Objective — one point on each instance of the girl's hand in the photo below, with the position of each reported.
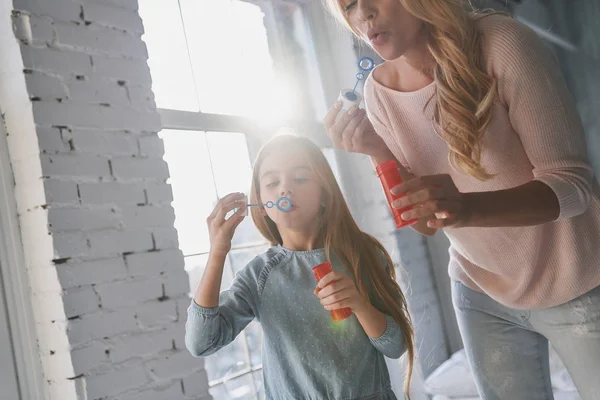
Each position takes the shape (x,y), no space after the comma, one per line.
(337,290)
(435,198)
(221,230)
(354,132)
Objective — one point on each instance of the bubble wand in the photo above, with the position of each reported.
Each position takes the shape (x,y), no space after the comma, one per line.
(283,204)
(349,97)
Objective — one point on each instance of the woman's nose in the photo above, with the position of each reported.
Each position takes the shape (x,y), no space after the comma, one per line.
(365,10)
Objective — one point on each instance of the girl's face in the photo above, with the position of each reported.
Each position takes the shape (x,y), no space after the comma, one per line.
(385,24)
(287,172)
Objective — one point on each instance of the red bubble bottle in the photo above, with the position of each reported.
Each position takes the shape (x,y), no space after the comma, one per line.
(389,175)
(320,271)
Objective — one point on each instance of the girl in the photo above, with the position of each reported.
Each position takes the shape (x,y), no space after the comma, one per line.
(304,356)
(475,107)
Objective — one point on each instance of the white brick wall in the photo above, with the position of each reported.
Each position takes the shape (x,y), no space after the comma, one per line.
(108,281)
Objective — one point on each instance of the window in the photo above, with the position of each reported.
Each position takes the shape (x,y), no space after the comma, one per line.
(226,74)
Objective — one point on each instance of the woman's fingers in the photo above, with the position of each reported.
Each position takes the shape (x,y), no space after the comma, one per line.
(420,197)
(430,209)
(332,114)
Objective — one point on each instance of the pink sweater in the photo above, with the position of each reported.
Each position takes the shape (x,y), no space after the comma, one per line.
(535,133)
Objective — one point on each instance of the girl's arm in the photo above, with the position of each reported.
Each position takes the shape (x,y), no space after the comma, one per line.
(212,327)
(214,318)
(336,290)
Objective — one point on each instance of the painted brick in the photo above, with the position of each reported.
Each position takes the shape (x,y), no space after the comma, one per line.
(42,29)
(127,4)
(45,86)
(129,293)
(97,90)
(196,385)
(141,345)
(69,219)
(107,15)
(73,274)
(86,358)
(74,165)
(101,324)
(60,10)
(96,38)
(159,192)
(61,192)
(140,168)
(177,283)
(80,301)
(102,142)
(165,238)
(155,313)
(61,62)
(69,244)
(111,193)
(94,116)
(111,242)
(152,263)
(151,146)
(116,382)
(147,216)
(173,391)
(141,96)
(122,69)
(51,140)
(175,365)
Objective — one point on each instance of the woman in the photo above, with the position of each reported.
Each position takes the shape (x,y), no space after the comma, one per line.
(492,151)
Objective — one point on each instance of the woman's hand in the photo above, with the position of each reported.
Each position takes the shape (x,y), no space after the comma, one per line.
(336,290)
(221,230)
(354,132)
(435,198)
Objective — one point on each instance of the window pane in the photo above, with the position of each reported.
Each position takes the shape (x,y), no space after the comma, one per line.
(233,173)
(258,382)
(241,388)
(230,161)
(169,62)
(241,257)
(194,195)
(195,265)
(329,154)
(227,361)
(255,337)
(231,60)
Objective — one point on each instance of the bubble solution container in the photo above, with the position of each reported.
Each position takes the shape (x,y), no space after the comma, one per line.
(389,175)
(320,271)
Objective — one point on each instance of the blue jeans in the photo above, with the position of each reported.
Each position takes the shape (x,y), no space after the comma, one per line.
(508,348)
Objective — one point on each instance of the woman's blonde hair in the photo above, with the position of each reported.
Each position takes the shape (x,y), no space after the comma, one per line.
(361,254)
(465,92)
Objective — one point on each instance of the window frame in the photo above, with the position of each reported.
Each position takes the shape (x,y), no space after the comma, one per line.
(258,132)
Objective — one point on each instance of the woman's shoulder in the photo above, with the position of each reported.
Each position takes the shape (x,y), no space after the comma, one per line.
(496,25)
(507,43)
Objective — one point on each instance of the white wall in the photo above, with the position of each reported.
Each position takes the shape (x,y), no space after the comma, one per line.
(108,285)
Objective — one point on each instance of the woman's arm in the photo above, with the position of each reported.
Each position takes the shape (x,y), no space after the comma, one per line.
(542,112)
(420,226)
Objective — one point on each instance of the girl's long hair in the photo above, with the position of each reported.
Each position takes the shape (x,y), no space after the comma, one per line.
(465,92)
(362,255)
